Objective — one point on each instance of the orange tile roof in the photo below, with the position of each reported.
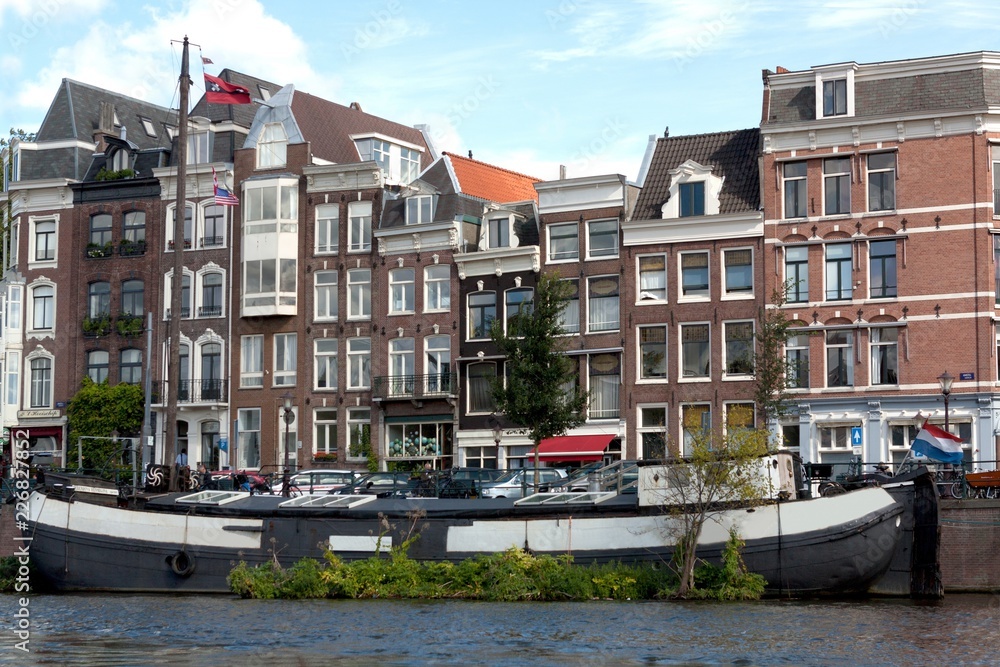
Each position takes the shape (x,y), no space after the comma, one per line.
(492,183)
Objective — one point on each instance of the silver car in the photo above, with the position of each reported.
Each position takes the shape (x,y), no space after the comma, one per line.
(517,483)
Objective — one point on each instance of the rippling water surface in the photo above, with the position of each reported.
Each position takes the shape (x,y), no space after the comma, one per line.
(109,630)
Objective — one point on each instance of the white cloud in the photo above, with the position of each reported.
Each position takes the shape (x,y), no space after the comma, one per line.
(32,16)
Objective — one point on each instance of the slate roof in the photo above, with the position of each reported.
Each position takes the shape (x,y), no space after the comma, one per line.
(492,183)
(733,155)
(240,114)
(75,114)
(328,127)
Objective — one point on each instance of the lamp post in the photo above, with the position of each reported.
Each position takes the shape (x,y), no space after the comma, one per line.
(497,434)
(286,401)
(945,380)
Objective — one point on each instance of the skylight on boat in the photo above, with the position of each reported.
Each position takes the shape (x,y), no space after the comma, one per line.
(328,500)
(213,497)
(571,498)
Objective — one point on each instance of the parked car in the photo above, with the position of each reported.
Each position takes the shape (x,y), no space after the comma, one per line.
(518,483)
(318,481)
(381,484)
(237,480)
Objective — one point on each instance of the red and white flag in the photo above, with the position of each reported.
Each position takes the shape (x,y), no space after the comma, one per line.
(218,91)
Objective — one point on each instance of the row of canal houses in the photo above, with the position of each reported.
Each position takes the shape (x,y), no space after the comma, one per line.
(355,283)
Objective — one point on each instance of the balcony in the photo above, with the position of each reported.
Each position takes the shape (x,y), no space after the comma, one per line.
(96,327)
(209,311)
(98,251)
(415,387)
(195,391)
(211,242)
(185,312)
(129,326)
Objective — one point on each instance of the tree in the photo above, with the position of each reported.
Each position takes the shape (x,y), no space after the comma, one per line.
(721,471)
(533,391)
(770,366)
(99,410)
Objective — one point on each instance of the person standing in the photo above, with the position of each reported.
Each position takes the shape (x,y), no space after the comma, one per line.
(182,458)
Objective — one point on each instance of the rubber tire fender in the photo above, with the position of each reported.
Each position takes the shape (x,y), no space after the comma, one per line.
(182,563)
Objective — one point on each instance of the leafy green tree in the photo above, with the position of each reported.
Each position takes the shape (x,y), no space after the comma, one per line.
(772,371)
(99,410)
(534,392)
(719,471)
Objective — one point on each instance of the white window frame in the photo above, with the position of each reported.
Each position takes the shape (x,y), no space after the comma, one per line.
(572,302)
(249,438)
(252,361)
(419,209)
(567,255)
(695,295)
(726,374)
(730,405)
(359,228)
(657,429)
(735,295)
(272,146)
(402,366)
(591,310)
(504,226)
(437,289)
(359,294)
(359,354)
(328,227)
(610,413)
(325,423)
(47,325)
(687,438)
(651,298)
(801,285)
(786,181)
(479,410)
(639,370)
(849,358)
(326,301)
(893,170)
(51,239)
(355,419)
(836,177)
(797,343)
(325,352)
(608,253)
(402,290)
(875,332)
(707,377)
(40,386)
(285,359)
(468,313)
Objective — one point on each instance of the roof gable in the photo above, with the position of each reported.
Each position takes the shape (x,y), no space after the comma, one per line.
(491,183)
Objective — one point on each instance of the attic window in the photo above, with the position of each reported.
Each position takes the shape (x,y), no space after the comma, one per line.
(835,90)
(499,230)
(692,199)
(119,159)
(147,125)
(171,131)
(117,122)
(265,94)
(418,209)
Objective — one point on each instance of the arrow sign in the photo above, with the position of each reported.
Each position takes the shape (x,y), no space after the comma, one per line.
(855,436)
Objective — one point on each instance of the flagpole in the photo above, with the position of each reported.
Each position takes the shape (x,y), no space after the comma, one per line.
(176,283)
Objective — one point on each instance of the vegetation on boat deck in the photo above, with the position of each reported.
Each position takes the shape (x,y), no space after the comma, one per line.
(512,575)
(99,409)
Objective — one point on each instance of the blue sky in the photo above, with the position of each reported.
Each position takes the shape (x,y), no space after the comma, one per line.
(524,84)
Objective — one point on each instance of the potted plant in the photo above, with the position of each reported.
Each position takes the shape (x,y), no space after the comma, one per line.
(129,325)
(325,457)
(97,326)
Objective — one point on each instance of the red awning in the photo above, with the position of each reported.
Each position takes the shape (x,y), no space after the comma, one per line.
(38,431)
(574,447)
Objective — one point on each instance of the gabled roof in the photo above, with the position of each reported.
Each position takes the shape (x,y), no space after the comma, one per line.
(732,155)
(240,114)
(328,127)
(490,183)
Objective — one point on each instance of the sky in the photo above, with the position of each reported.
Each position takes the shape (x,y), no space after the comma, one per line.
(527,85)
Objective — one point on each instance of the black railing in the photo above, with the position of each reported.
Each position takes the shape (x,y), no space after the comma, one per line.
(403,387)
(185,313)
(195,391)
(211,242)
(132,248)
(209,311)
(97,251)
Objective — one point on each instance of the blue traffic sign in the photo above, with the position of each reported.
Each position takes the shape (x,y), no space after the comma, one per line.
(855,436)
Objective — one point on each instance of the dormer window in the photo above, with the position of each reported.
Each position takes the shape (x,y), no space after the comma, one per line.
(692,199)
(419,209)
(499,231)
(265,94)
(148,127)
(400,163)
(835,90)
(120,160)
(835,98)
(272,146)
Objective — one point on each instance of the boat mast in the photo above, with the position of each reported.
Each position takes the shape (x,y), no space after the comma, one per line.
(176,283)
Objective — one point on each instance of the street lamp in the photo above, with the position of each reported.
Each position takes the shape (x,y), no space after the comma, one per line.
(286,401)
(497,433)
(945,380)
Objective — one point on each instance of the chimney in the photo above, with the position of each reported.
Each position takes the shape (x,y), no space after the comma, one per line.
(562,172)
(356,106)
(470,155)
(122,132)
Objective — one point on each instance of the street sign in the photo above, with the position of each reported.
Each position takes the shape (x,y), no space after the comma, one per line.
(856,439)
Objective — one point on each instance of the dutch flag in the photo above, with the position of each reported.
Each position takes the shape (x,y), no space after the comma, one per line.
(937,444)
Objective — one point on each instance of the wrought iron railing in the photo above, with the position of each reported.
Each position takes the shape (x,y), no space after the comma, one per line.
(194,391)
(403,387)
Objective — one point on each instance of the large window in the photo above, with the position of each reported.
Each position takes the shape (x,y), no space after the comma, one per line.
(694,274)
(41,382)
(359,358)
(653,352)
(797,360)
(211,372)
(652,431)
(359,294)
(409,164)
(264,204)
(42,307)
(797,273)
(326,295)
(739,348)
(602,304)
(838,272)
(499,232)
(517,301)
(418,209)
(839,358)
(885,359)
(401,295)
(252,361)
(695,351)
(401,366)
(130,366)
(327,229)
(882,257)
(438,364)
(564,242)
(359,230)
(738,266)
(99,299)
(605,381)
(326,363)
(97,365)
(211,295)
(437,286)
(215,227)
(285,359)
(272,146)
(132,298)
(652,278)
(835,97)
(569,316)
(602,238)
(480,393)
(834,443)
(796,194)
(325,423)
(881,182)
(359,430)
(45,240)
(134,227)
(696,422)
(482,312)
(837,185)
(692,199)
(249,434)
(100,230)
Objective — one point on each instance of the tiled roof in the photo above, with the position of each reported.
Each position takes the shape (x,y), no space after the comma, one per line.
(492,183)
(733,156)
(328,127)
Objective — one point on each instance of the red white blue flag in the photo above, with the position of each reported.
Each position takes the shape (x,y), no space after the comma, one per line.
(223,197)
(218,91)
(937,444)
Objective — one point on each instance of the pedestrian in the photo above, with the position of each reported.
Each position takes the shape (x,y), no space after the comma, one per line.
(182,458)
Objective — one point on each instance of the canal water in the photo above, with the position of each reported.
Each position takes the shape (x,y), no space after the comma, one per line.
(110,630)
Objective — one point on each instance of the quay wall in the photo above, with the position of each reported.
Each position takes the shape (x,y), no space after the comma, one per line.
(970,546)
(8,531)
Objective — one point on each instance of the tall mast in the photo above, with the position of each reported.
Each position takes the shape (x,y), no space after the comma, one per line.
(174,323)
